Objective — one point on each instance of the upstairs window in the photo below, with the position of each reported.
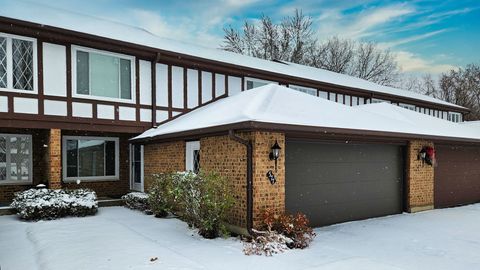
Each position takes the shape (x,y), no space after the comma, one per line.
(254,83)
(17,63)
(15,159)
(306,90)
(407,106)
(455,117)
(102,74)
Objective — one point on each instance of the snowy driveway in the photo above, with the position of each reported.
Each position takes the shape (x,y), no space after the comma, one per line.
(118,238)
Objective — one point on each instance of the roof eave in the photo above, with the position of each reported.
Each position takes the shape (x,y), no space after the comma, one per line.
(295,130)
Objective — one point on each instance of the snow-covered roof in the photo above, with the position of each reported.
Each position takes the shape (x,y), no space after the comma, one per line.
(45,15)
(276,104)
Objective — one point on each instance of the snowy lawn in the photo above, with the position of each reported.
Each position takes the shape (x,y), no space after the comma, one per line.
(119,238)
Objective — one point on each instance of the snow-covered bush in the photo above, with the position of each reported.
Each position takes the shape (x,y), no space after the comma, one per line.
(202,200)
(266,243)
(295,227)
(137,201)
(36,204)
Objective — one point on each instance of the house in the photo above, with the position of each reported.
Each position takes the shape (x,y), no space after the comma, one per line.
(75,89)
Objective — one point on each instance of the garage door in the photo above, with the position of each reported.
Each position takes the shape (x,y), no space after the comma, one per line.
(457,175)
(333,183)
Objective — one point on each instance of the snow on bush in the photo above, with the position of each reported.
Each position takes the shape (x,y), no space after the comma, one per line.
(37,204)
(267,243)
(137,201)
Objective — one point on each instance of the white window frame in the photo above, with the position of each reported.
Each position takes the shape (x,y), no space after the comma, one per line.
(115,177)
(323,94)
(142,178)
(9,87)
(407,106)
(76,48)
(190,147)
(30,170)
(307,90)
(247,79)
(455,117)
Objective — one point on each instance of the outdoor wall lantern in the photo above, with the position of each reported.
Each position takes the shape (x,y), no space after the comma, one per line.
(427,155)
(275,153)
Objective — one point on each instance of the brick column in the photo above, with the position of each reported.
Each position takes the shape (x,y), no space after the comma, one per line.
(267,196)
(420,179)
(54,162)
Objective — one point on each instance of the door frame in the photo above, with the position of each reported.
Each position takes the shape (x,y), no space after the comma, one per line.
(136,186)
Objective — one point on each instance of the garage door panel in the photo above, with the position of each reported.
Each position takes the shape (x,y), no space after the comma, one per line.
(324,214)
(333,183)
(343,172)
(344,192)
(457,175)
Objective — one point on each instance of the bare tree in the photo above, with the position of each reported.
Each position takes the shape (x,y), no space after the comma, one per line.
(462,87)
(293,40)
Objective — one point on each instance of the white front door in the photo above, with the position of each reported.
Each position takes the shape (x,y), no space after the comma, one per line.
(136,167)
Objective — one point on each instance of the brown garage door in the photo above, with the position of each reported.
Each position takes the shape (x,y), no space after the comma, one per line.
(457,175)
(333,183)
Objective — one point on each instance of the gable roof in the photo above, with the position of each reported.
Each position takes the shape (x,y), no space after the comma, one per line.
(277,105)
(45,15)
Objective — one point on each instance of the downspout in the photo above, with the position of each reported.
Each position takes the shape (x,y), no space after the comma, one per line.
(248,144)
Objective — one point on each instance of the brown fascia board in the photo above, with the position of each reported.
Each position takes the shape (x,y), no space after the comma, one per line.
(304,132)
(61,35)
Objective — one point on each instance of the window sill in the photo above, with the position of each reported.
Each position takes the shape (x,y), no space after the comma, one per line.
(18,183)
(11,90)
(117,100)
(91,180)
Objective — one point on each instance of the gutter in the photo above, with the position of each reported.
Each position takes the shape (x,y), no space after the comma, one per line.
(248,144)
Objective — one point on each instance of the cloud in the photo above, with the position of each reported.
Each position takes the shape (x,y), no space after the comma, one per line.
(413,63)
(334,22)
(413,38)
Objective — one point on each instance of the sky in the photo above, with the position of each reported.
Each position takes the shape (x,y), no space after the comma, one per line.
(426,36)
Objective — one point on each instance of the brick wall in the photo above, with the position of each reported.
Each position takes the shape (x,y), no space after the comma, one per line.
(420,179)
(266,195)
(229,158)
(162,158)
(54,159)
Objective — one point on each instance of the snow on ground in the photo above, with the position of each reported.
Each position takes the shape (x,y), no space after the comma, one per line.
(119,238)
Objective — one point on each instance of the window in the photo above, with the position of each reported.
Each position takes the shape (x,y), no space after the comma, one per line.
(323,94)
(332,96)
(15,159)
(18,59)
(306,90)
(340,98)
(455,117)
(355,101)
(377,100)
(192,156)
(254,83)
(90,158)
(101,74)
(407,106)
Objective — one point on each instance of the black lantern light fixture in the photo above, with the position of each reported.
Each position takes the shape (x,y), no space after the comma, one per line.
(275,153)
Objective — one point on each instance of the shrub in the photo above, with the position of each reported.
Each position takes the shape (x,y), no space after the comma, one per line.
(266,243)
(137,201)
(295,227)
(202,200)
(36,204)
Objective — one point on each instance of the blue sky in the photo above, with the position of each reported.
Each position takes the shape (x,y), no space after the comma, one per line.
(426,36)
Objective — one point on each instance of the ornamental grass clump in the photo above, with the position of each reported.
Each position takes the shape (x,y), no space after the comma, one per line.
(202,200)
(45,204)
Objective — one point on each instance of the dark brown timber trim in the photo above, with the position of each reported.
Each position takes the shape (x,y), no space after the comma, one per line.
(40,77)
(137,90)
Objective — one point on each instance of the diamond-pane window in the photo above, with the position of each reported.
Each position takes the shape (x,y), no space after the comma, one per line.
(22,52)
(15,158)
(3,63)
